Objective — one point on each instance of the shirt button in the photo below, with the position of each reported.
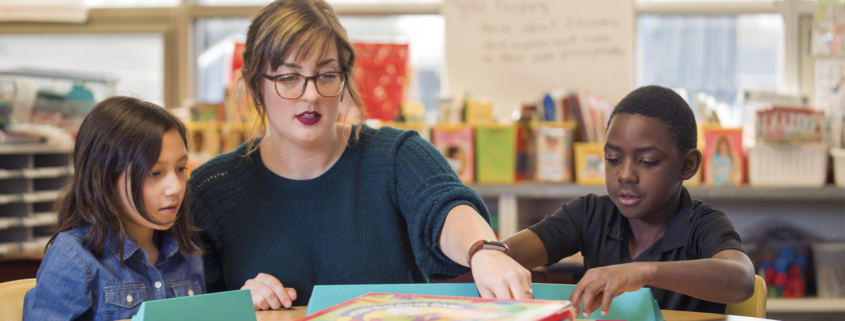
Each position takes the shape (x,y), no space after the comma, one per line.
(129,298)
(190,292)
(158,285)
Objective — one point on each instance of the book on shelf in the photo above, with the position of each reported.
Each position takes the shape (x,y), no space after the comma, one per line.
(410,307)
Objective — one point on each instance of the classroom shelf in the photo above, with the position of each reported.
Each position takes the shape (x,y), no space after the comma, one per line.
(34,149)
(743,193)
(509,197)
(35,173)
(805,305)
(31,177)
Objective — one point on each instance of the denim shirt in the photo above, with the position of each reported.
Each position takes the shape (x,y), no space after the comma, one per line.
(74,284)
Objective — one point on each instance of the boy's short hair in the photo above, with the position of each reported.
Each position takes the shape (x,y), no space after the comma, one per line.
(666,105)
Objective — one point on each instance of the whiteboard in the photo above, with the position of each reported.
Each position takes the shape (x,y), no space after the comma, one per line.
(514,51)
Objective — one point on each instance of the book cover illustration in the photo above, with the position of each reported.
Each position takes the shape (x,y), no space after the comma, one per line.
(554,152)
(457,144)
(405,307)
(723,157)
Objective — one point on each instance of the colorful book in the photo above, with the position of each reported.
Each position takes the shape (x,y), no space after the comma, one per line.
(723,157)
(457,144)
(554,151)
(408,307)
(495,148)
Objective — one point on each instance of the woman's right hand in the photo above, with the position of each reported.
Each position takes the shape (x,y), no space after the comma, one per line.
(268,293)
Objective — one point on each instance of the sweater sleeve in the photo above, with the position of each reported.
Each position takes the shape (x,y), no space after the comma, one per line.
(426,189)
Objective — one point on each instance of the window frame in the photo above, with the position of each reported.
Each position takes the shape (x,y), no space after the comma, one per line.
(176,24)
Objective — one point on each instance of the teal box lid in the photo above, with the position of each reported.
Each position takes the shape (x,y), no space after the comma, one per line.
(221,306)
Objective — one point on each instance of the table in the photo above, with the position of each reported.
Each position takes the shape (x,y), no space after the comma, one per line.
(296,312)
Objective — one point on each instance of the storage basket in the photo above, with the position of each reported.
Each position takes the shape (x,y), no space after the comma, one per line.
(838,165)
(796,166)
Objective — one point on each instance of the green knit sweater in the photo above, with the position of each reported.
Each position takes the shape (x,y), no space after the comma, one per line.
(372,218)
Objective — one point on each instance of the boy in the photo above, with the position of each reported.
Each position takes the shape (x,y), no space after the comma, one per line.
(687,252)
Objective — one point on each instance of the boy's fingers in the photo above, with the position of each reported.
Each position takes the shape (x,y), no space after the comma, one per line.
(589,297)
(575,297)
(605,302)
(291,293)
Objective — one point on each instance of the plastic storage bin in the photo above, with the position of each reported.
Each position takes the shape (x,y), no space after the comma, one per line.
(798,166)
(838,165)
(830,269)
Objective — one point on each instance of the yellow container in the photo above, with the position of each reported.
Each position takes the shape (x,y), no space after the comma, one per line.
(589,163)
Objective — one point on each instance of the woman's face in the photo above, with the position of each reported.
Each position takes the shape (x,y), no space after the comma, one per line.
(310,118)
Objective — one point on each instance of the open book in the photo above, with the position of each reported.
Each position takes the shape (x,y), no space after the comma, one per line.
(400,307)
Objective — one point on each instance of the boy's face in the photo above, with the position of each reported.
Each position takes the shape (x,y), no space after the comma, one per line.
(643,170)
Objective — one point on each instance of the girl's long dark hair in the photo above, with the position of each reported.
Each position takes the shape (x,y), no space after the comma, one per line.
(119,134)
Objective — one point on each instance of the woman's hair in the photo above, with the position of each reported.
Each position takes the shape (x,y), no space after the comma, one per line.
(120,135)
(303,26)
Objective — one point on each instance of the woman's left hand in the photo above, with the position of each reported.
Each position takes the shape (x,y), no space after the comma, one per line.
(497,275)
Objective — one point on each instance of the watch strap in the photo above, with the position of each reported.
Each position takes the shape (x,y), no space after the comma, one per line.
(486,245)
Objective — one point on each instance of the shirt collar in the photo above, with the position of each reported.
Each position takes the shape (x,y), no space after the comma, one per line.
(676,232)
(169,245)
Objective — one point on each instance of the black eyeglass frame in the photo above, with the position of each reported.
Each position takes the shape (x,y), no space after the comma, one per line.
(305,84)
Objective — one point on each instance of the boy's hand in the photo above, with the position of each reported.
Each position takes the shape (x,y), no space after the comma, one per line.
(499,276)
(599,286)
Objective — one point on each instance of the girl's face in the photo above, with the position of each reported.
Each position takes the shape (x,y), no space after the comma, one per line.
(311,117)
(164,186)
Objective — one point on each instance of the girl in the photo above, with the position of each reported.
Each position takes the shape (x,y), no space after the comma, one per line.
(123,234)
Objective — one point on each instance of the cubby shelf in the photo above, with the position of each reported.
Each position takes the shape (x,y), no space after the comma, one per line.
(31,176)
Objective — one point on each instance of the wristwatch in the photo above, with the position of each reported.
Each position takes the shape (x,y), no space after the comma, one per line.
(486,245)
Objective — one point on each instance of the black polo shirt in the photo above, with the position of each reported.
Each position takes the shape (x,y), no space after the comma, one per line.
(594,226)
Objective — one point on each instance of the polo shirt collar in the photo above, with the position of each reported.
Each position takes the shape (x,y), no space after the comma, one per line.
(676,232)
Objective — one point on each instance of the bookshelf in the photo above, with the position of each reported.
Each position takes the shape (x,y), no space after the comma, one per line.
(511,200)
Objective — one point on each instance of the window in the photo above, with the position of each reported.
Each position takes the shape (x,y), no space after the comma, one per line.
(713,54)
(137,60)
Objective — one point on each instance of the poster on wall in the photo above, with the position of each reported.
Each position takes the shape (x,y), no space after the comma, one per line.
(511,51)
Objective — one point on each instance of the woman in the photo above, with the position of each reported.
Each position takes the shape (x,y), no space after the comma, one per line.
(317,202)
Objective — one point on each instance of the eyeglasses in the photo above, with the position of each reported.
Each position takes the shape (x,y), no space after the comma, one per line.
(292,86)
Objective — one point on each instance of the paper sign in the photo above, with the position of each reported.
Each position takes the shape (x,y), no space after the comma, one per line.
(514,51)
(638,305)
(221,306)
